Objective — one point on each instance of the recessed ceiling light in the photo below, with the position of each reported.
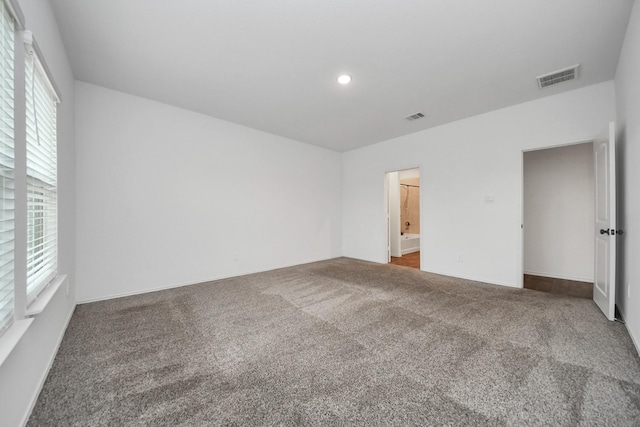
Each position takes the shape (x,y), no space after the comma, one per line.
(344,79)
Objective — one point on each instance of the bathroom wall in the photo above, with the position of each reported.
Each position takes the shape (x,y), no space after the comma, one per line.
(410,208)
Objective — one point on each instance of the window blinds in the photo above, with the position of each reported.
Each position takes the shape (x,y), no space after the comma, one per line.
(42,222)
(6,168)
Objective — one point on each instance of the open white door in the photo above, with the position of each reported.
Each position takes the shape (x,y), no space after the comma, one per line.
(388,238)
(604,286)
(388,215)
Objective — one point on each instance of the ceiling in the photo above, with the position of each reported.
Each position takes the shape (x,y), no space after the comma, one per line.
(272,65)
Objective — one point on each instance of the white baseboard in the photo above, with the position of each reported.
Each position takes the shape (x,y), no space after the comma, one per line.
(410,250)
(36,394)
(196,282)
(636,342)
(633,338)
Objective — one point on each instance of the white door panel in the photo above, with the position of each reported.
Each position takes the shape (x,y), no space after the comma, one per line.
(604,289)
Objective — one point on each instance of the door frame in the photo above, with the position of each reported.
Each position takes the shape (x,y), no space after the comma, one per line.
(520,267)
(386,210)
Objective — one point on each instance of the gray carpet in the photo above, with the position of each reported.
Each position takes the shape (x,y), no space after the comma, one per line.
(342,342)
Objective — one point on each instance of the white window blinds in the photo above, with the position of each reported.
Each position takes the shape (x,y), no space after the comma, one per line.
(42,186)
(6,169)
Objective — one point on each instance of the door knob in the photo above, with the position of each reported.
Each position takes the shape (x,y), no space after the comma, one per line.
(611,232)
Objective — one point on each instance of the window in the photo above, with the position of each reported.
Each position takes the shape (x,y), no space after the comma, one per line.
(42,193)
(32,201)
(7,173)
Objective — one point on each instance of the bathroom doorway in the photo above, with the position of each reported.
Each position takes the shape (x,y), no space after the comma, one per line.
(404,217)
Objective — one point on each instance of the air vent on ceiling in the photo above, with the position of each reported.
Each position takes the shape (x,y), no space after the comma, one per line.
(569,73)
(415,116)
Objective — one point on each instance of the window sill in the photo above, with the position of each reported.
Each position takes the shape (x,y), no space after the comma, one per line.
(10,338)
(38,305)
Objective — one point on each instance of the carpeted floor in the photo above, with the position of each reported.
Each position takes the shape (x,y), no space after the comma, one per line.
(342,342)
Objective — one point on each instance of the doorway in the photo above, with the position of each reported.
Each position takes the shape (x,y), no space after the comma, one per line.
(404,217)
(558,218)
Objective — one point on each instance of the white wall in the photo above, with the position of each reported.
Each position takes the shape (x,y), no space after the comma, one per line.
(167,197)
(463,162)
(627,85)
(559,212)
(24,372)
